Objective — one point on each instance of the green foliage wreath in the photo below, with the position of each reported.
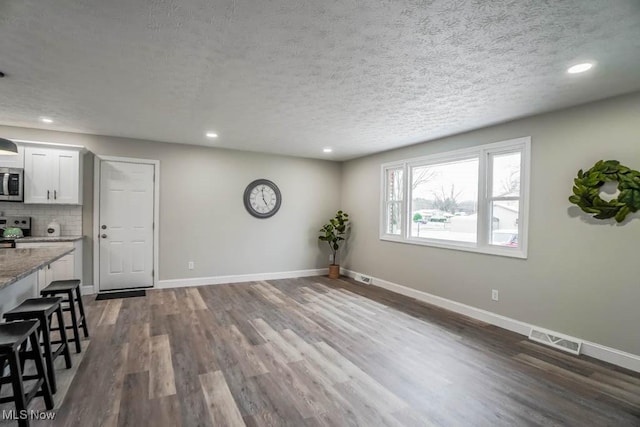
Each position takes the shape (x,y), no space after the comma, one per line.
(586,190)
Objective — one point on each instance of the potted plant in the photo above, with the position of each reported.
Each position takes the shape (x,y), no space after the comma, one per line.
(333,233)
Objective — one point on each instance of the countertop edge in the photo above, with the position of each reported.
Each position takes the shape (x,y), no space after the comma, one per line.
(32,270)
(47,239)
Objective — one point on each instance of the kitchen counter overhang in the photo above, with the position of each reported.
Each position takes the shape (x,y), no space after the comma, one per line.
(48,239)
(16,264)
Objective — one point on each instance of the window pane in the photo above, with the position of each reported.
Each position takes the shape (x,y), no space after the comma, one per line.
(444,201)
(394,184)
(506,175)
(394,224)
(504,223)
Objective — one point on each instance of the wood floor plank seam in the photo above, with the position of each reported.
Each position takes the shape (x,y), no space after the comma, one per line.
(161,374)
(319,352)
(222,407)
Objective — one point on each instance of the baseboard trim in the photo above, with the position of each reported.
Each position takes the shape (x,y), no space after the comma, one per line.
(595,350)
(87,290)
(218,280)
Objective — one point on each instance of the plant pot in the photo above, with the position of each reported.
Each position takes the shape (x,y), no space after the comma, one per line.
(334,271)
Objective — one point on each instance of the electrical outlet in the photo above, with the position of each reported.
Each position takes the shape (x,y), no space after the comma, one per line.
(494,295)
(191,265)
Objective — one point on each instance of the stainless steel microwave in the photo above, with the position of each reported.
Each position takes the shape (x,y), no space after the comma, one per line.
(11,185)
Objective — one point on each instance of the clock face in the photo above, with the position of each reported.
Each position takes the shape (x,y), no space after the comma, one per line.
(262,198)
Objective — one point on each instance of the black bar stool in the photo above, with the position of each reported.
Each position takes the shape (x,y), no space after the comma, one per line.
(15,336)
(43,309)
(66,289)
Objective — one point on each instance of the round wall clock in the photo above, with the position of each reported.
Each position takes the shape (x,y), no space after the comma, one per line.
(262,198)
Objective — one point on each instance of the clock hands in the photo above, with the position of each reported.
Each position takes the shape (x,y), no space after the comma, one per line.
(268,192)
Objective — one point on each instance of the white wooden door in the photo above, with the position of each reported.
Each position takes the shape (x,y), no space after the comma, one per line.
(65,177)
(38,167)
(126,225)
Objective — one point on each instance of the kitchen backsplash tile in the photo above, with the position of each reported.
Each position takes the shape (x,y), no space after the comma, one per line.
(69,217)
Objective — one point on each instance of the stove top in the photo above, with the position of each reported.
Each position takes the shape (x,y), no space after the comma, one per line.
(21,222)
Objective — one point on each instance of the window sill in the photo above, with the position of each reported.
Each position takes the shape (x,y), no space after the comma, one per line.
(466,247)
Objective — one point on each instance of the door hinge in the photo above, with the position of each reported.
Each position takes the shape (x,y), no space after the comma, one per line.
(153,273)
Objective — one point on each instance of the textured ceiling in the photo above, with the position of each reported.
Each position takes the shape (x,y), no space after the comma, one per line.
(294,76)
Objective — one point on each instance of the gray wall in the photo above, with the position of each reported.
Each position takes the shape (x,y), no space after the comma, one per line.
(582,276)
(202,216)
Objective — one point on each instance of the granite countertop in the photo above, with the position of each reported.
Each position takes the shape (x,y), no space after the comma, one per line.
(16,264)
(41,239)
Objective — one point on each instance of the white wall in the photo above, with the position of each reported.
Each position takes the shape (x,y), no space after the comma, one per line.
(202,216)
(582,276)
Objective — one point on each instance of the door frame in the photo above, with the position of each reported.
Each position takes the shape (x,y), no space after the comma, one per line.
(98,159)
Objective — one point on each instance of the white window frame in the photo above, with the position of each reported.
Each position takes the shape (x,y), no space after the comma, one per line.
(485,198)
(386,202)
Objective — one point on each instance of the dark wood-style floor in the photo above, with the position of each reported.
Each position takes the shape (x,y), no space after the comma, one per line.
(311,352)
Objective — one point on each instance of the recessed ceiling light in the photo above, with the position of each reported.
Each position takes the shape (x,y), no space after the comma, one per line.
(46,120)
(327,150)
(211,135)
(580,68)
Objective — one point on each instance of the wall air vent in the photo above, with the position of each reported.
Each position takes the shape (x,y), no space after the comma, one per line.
(553,339)
(363,279)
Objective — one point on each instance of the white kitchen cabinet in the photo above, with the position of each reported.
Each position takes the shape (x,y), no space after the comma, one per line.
(62,269)
(13,161)
(52,176)
(38,176)
(66,268)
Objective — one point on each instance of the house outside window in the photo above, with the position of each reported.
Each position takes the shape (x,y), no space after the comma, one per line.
(474,199)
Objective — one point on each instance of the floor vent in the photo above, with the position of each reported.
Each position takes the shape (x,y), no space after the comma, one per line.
(553,339)
(363,279)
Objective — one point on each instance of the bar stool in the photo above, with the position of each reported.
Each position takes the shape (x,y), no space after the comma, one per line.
(66,289)
(43,309)
(13,337)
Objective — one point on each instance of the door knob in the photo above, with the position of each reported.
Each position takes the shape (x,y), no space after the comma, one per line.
(104,227)
(104,236)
